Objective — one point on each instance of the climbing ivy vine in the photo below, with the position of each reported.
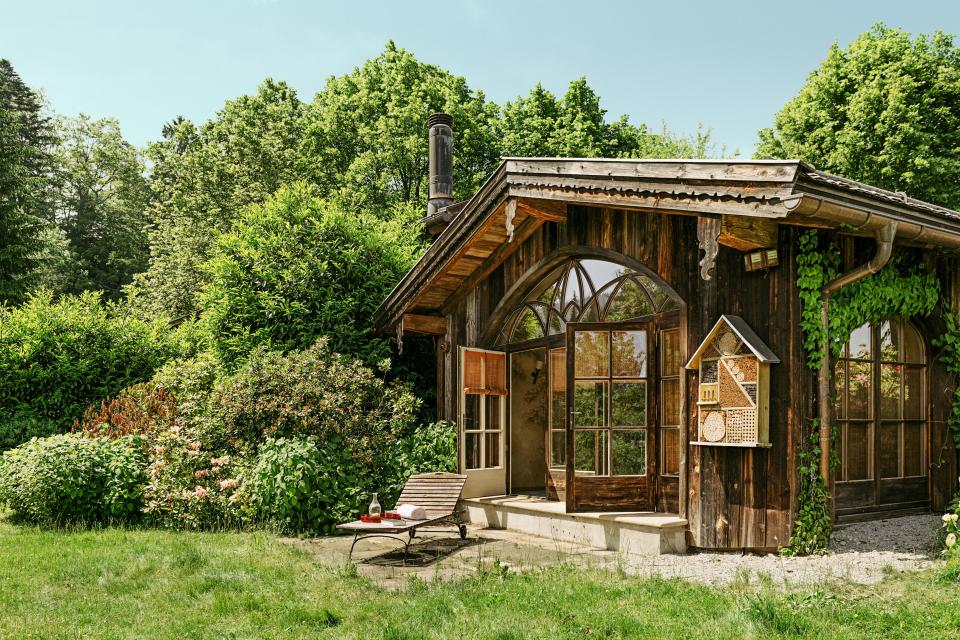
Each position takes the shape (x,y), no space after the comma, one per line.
(896,290)
(949,345)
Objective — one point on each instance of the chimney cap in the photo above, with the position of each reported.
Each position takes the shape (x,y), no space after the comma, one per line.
(440,118)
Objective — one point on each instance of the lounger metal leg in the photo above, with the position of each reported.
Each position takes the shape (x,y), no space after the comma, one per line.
(356,537)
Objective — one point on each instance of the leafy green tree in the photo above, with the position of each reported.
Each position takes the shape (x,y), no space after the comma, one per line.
(367,132)
(885,110)
(576,126)
(296,268)
(25,139)
(202,177)
(58,357)
(101,204)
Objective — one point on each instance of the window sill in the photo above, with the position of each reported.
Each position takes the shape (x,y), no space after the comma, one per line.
(742,445)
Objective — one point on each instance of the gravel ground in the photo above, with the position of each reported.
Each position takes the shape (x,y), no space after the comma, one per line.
(864,553)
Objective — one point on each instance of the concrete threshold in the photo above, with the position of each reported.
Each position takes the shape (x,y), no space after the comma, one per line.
(633,532)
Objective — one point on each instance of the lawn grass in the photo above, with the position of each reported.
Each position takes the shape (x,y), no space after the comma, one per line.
(117,583)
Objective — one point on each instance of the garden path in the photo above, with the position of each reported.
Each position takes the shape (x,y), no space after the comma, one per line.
(863,553)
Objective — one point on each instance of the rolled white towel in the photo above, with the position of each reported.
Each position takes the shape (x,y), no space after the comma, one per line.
(411,512)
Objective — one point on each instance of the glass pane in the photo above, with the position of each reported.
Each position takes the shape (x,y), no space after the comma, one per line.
(630,452)
(629,404)
(840,378)
(493,449)
(630,354)
(913,350)
(602,272)
(914,435)
(857,451)
(670,352)
(494,418)
(658,295)
(670,439)
(859,346)
(889,341)
(670,403)
(528,327)
(471,411)
(890,391)
(556,324)
(592,353)
(472,451)
(858,400)
(590,404)
(629,302)
(546,297)
(913,407)
(558,388)
(889,450)
(558,448)
(590,451)
(572,291)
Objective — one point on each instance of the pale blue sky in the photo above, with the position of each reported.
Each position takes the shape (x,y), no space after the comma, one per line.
(729,65)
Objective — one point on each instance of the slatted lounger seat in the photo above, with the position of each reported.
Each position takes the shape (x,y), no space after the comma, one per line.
(437,493)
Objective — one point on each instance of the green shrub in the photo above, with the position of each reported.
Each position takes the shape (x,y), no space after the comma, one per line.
(432,448)
(295,268)
(71,478)
(58,358)
(306,485)
(313,392)
(22,427)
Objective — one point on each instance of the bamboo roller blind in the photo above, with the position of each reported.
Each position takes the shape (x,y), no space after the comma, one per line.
(484,373)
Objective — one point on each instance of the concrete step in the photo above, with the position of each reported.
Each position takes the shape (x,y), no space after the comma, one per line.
(637,533)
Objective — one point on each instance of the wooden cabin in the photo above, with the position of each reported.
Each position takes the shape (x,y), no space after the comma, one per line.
(604,327)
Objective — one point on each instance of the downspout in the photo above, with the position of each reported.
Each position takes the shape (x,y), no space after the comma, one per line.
(884,236)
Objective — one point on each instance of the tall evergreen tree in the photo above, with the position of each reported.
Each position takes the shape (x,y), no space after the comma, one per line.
(25,161)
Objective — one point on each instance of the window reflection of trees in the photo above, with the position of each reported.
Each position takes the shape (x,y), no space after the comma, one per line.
(584,290)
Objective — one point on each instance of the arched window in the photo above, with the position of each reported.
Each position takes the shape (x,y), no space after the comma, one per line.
(585,290)
(881,410)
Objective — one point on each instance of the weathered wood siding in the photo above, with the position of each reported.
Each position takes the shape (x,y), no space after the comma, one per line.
(735,498)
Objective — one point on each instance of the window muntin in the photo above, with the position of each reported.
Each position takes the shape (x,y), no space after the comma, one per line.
(670,369)
(482,407)
(880,403)
(610,402)
(585,290)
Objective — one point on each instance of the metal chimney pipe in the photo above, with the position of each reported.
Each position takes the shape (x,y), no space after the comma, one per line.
(441,162)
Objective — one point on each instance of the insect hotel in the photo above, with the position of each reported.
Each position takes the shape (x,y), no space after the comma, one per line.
(619,344)
(733,386)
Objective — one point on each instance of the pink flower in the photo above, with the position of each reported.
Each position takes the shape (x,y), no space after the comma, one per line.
(202,473)
(159,449)
(228,485)
(215,471)
(200,492)
(192,452)
(194,446)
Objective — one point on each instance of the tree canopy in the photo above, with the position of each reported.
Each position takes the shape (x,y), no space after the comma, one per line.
(25,163)
(885,110)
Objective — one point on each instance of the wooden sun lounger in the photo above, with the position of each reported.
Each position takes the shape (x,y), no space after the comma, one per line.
(437,493)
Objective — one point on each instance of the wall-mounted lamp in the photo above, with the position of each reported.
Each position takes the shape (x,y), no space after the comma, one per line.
(761,260)
(537,370)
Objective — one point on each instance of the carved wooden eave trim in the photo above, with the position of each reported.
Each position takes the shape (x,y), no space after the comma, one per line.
(746,198)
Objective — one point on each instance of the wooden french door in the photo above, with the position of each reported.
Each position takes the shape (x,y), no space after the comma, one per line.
(611,413)
(481,422)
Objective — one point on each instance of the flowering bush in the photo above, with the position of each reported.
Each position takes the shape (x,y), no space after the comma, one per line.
(951,541)
(189,486)
(70,478)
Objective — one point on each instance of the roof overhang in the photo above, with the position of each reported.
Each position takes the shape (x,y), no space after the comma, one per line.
(525,193)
